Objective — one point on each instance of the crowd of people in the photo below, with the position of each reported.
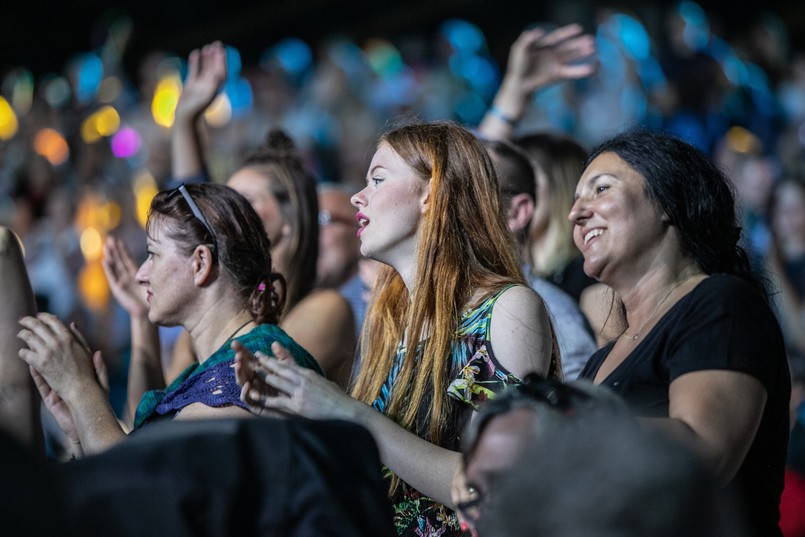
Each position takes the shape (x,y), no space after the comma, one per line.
(528,332)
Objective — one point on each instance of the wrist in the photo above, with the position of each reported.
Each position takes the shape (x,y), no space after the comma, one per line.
(503,116)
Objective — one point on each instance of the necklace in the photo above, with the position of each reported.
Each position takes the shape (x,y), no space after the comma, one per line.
(238,329)
(656,309)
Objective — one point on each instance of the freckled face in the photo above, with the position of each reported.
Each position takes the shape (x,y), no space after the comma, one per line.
(390,208)
(168,278)
(616,225)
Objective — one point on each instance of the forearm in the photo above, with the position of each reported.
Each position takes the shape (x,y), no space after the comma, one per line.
(186,146)
(19,402)
(508,107)
(426,467)
(145,366)
(95,421)
(722,464)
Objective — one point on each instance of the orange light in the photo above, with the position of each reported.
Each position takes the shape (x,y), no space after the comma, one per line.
(51,145)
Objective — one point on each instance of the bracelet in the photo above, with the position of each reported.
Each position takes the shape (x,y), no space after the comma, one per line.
(498,113)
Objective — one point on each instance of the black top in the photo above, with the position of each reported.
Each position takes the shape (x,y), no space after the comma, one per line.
(723,323)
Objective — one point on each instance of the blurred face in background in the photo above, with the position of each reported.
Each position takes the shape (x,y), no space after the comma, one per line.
(339,246)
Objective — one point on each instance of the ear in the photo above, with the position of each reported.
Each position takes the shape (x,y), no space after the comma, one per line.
(519,212)
(203,264)
(424,198)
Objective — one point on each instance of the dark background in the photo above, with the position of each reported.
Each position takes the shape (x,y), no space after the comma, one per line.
(43,35)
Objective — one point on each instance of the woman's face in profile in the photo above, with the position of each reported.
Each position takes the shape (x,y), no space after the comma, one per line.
(167,276)
(616,225)
(390,208)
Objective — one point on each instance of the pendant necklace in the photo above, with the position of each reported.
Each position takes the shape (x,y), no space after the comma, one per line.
(653,313)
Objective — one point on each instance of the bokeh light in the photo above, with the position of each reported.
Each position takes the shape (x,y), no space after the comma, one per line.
(19,86)
(126,143)
(51,145)
(219,112)
(102,123)
(93,286)
(110,90)
(57,92)
(163,107)
(8,120)
(145,188)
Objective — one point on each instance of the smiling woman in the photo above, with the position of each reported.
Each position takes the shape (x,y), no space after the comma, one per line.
(208,271)
(702,357)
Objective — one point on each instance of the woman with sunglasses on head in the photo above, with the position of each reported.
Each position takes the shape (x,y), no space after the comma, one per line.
(208,271)
(274,180)
(451,321)
(702,356)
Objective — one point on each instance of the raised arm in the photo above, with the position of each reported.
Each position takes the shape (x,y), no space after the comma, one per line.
(145,365)
(537,59)
(206,73)
(19,402)
(281,385)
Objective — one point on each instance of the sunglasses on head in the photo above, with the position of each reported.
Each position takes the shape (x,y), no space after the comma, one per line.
(181,189)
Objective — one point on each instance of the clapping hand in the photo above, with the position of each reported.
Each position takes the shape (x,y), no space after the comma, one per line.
(121,272)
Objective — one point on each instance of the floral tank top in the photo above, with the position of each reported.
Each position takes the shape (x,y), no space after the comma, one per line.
(476,376)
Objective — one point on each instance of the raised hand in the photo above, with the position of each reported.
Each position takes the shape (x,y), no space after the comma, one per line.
(539,57)
(121,273)
(206,73)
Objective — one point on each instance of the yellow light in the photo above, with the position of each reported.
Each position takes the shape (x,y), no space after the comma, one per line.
(166,95)
(103,122)
(51,145)
(145,188)
(8,121)
(89,130)
(91,244)
(742,140)
(93,286)
(110,215)
(107,121)
(219,112)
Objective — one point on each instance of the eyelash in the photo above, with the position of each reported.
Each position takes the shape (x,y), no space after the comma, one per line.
(376,180)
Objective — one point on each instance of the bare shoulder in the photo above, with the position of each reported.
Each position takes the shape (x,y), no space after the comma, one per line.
(520,331)
(200,411)
(520,300)
(322,302)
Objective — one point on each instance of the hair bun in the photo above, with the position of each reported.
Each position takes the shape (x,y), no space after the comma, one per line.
(277,147)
